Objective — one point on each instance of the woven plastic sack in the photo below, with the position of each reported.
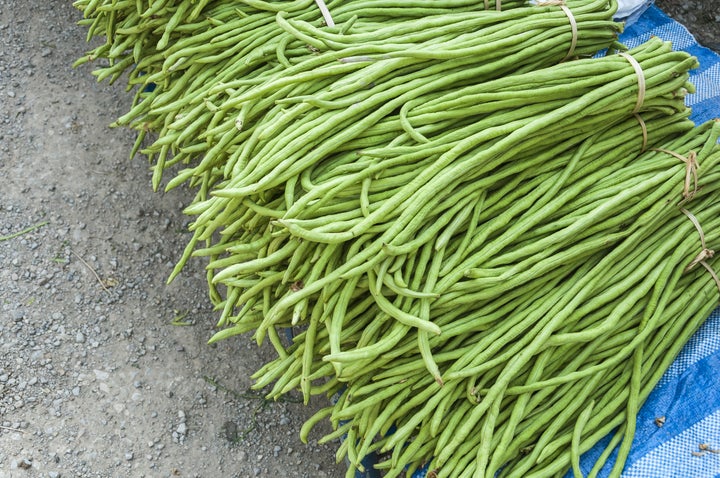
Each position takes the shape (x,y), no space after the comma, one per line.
(630,10)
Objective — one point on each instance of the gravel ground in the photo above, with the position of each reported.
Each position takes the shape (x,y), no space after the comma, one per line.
(95,380)
(701,17)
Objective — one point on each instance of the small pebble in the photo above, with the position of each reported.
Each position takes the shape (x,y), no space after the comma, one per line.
(230,430)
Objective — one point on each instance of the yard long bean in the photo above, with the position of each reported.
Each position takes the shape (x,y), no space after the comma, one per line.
(471,225)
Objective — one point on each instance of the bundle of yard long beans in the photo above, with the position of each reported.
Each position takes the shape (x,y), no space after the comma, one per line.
(490,257)
(187,47)
(392,373)
(199,69)
(522,360)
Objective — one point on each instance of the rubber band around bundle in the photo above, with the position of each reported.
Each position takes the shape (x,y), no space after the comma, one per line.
(573,23)
(691,167)
(498,5)
(705,253)
(574,28)
(325,13)
(643,126)
(641,80)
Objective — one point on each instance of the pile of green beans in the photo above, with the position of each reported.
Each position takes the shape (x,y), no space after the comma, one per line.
(619,145)
(198,80)
(385,210)
(463,215)
(517,377)
(350,321)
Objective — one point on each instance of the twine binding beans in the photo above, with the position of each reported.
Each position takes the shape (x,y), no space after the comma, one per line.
(691,167)
(574,27)
(573,23)
(705,253)
(643,126)
(640,79)
(325,13)
(641,96)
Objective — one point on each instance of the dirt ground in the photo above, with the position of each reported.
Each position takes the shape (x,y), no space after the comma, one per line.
(701,17)
(95,381)
(104,369)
